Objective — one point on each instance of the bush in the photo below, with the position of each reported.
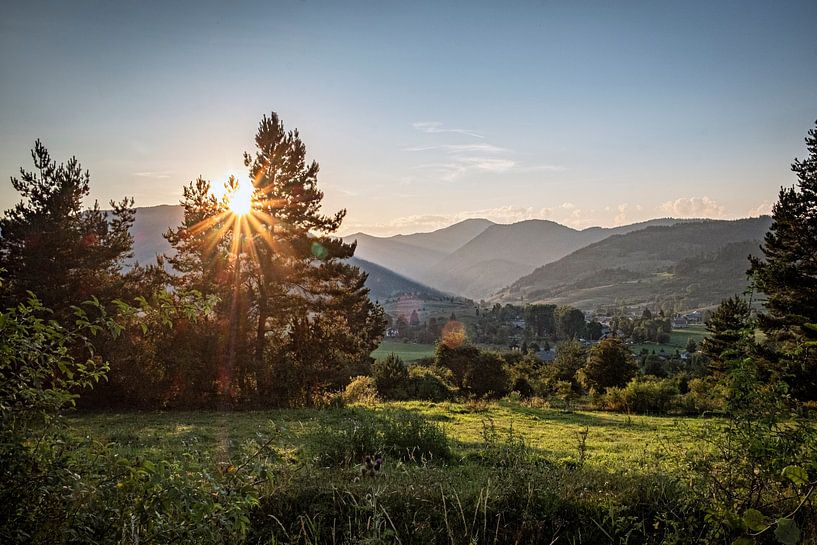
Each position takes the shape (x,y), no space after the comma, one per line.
(393,433)
(391,377)
(642,396)
(487,376)
(361,390)
(704,395)
(477,373)
(429,384)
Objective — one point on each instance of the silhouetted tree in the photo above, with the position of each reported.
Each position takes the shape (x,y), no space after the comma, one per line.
(296,311)
(53,246)
(788,276)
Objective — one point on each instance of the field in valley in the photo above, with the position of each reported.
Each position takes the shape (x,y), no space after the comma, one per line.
(678,340)
(408,351)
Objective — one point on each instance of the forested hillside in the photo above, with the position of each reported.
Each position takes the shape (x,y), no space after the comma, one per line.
(652,264)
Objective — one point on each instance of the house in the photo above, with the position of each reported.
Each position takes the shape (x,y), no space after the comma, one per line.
(519,323)
(695,317)
(392,332)
(680,322)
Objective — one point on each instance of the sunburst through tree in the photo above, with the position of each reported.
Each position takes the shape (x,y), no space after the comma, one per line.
(294,317)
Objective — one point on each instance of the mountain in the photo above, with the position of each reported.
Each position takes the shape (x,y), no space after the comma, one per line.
(449,238)
(403,258)
(501,254)
(698,261)
(413,255)
(383,283)
(148,227)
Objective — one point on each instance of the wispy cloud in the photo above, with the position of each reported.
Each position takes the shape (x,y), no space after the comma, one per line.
(457,160)
(461,148)
(434,127)
(159,174)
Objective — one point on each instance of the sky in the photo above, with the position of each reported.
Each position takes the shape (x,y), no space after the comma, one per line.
(422,114)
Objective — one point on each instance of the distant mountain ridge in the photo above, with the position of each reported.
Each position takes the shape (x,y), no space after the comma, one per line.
(698,261)
(150,224)
(502,253)
(533,260)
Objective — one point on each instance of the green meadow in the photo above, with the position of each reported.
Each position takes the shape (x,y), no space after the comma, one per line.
(613,441)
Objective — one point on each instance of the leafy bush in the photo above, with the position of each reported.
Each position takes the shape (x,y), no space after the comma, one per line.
(641,396)
(704,395)
(487,376)
(396,434)
(361,390)
(760,470)
(475,372)
(429,384)
(609,363)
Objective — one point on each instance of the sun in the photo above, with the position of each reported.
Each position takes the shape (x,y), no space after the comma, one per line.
(240,200)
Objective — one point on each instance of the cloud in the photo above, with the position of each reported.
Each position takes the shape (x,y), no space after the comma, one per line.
(573,216)
(762,209)
(461,148)
(435,127)
(693,207)
(625,211)
(457,160)
(160,174)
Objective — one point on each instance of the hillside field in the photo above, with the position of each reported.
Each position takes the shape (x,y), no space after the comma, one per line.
(406,351)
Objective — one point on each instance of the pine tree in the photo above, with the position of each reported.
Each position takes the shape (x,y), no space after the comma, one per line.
(55,248)
(787,275)
(290,299)
(726,327)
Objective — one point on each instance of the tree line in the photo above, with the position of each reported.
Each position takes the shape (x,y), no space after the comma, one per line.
(287,318)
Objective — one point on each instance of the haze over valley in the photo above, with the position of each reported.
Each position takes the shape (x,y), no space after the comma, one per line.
(539,261)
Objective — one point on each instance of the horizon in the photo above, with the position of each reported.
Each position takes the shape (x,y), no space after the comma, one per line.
(343,234)
(421,116)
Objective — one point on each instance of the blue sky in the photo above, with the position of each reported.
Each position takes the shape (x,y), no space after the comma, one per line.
(422,114)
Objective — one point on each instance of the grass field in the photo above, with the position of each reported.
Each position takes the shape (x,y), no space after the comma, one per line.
(614,441)
(503,472)
(678,340)
(406,351)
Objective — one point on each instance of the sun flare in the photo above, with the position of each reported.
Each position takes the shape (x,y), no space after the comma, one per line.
(240,200)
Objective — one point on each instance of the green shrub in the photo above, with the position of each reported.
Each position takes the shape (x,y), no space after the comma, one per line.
(476,373)
(391,377)
(488,376)
(362,390)
(704,395)
(429,384)
(642,396)
(396,434)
